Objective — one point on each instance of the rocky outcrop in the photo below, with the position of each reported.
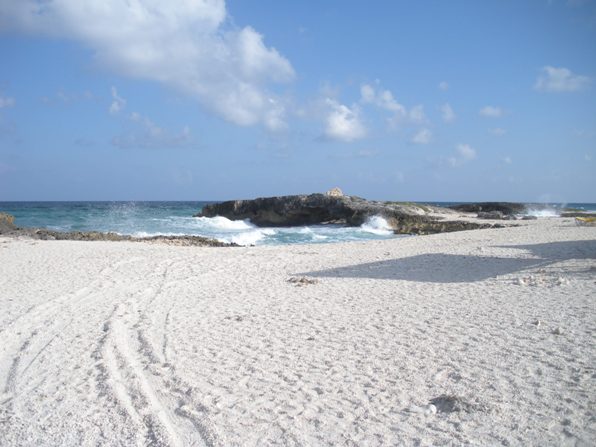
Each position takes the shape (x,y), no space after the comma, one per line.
(8,228)
(506,208)
(6,223)
(285,211)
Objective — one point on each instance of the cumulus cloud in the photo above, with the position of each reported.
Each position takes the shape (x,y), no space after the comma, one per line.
(385,100)
(560,79)
(466,152)
(463,154)
(118,103)
(146,134)
(343,123)
(187,45)
(6,102)
(381,98)
(417,114)
(491,112)
(423,136)
(447,113)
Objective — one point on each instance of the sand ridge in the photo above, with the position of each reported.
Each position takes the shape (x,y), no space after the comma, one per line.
(480,337)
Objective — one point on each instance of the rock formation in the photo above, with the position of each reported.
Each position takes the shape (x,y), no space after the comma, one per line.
(506,208)
(298,210)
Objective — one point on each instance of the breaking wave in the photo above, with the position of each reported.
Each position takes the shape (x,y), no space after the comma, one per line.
(377,225)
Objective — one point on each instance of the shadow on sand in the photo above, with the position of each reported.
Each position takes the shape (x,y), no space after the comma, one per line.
(446,268)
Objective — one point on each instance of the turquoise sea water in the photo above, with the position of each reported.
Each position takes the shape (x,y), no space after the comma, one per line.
(175,218)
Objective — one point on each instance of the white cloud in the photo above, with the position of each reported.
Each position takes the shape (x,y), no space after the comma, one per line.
(463,154)
(423,136)
(382,98)
(447,113)
(507,160)
(443,85)
(491,112)
(187,45)
(6,102)
(498,131)
(466,152)
(118,103)
(146,134)
(343,123)
(560,79)
(417,114)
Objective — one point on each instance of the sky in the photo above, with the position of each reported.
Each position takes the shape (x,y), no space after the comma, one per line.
(213,100)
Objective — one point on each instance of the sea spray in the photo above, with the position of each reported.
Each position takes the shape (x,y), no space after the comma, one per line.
(542,212)
(377,225)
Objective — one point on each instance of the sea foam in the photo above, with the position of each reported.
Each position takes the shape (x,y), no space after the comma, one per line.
(377,225)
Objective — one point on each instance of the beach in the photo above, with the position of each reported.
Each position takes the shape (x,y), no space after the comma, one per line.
(483,337)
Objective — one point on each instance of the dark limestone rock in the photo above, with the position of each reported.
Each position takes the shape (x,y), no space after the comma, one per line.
(443,226)
(285,211)
(495,215)
(506,208)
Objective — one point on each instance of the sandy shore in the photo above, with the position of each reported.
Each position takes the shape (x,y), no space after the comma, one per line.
(482,337)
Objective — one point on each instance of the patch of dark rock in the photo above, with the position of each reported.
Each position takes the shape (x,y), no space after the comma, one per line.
(449,403)
(507,208)
(495,215)
(302,281)
(435,227)
(529,218)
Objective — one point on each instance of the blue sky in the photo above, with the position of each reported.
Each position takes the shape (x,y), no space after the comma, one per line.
(206,99)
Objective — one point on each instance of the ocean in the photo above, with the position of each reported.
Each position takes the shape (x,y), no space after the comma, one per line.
(143,219)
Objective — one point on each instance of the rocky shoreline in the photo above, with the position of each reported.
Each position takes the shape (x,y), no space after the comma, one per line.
(8,228)
(332,207)
(336,208)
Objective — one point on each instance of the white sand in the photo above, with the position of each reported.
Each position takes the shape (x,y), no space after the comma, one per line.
(109,343)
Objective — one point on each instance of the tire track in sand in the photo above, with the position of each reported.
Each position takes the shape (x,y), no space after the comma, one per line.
(30,334)
(136,377)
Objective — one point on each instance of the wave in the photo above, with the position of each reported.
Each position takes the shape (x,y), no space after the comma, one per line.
(542,212)
(223,223)
(251,237)
(377,225)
